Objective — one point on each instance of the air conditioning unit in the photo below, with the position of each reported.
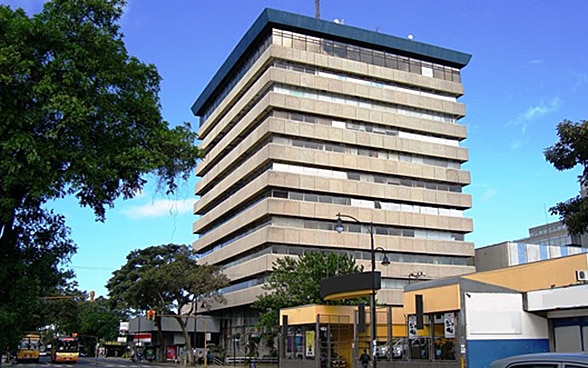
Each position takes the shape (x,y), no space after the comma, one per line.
(581,275)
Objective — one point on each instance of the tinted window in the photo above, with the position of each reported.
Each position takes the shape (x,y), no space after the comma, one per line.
(534,365)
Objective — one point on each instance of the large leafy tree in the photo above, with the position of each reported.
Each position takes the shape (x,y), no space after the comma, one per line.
(296,281)
(62,312)
(31,267)
(570,151)
(98,321)
(168,279)
(79,117)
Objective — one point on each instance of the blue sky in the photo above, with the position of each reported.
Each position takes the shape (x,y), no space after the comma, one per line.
(529,71)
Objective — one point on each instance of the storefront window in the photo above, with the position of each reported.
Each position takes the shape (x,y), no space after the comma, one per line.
(444,336)
(437,339)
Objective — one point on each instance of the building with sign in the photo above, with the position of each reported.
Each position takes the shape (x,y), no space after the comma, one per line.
(204,332)
(533,307)
(309,118)
(463,321)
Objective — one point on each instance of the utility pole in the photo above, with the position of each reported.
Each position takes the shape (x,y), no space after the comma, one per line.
(317,9)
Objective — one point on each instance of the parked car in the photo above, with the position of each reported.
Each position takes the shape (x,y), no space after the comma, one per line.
(543,360)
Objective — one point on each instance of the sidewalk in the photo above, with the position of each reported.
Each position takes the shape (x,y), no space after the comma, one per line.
(161,364)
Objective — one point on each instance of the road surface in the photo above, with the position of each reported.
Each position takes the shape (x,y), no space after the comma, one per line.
(85,362)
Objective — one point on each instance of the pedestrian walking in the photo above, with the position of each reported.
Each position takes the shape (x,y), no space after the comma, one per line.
(365,359)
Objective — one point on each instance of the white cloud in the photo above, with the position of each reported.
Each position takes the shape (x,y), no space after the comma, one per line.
(159,208)
(543,109)
(535,112)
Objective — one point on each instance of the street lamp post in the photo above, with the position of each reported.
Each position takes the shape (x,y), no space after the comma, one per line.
(385,261)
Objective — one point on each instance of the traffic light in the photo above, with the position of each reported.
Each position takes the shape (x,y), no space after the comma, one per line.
(151,315)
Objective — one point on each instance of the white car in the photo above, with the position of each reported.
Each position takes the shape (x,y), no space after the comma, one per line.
(555,360)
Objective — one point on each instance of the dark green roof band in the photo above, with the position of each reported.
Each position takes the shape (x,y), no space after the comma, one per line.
(319,27)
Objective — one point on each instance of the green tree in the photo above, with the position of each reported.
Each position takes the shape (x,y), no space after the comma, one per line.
(570,151)
(74,313)
(80,117)
(62,312)
(296,281)
(29,269)
(98,321)
(168,279)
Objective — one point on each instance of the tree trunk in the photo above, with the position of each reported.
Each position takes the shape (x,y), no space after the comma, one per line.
(189,353)
(11,267)
(160,349)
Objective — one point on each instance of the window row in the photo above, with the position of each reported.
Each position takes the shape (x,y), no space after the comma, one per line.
(355,202)
(363,54)
(560,241)
(244,285)
(398,231)
(364,81)
(383,179)
(363,127)
(374,153)
(365,103)
(547,230)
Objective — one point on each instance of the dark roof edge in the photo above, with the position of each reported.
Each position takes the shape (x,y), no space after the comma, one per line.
(319,26)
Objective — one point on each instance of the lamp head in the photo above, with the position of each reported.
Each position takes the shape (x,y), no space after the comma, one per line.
(339,226)
(385,260)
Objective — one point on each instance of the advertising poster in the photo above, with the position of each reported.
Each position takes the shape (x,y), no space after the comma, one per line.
(449,324)
(412,326)
(170,353)
(309,344)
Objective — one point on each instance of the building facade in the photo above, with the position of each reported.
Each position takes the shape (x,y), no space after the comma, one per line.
(528,308)
(508,254)
(308,118)
(556,233)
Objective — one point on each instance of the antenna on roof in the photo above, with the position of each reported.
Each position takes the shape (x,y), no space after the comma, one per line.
(317,9)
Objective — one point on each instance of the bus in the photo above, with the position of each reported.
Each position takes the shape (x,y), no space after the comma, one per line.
(65,349)
(28,348)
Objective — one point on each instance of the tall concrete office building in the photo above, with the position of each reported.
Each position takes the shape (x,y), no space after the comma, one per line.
(309,118)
